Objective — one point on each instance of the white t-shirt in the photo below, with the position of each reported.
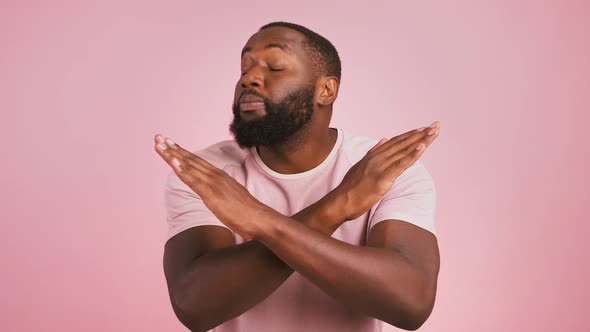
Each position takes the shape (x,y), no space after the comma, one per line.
(299,305)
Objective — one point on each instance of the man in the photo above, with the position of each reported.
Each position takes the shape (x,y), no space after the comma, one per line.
(294,225)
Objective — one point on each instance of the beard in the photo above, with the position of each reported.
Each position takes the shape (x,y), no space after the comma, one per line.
(281,121)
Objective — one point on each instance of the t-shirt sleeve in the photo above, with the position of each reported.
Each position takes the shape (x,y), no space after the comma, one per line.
(184,207)
(412,198)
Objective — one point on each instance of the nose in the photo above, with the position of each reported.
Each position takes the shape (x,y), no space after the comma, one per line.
(252,78)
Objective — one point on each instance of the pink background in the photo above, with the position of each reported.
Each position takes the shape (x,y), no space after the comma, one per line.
(85,86)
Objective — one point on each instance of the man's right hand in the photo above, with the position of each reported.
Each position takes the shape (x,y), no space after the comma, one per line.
(369,179)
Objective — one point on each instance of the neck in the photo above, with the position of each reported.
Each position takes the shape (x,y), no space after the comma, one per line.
(305,150)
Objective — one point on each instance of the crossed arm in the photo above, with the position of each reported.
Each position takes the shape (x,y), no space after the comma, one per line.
(203,289)
(393,278)
(377,279)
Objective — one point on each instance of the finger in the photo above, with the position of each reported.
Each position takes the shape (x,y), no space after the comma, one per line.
(411,150)
(431,136)
(398,138)
(404,136)
(383,140)
(169,149)
(399,166)
(197,161)
(411,143)
(158,138)
(405,145)
(188,174)
(185,168)
(160,146)
(183,164)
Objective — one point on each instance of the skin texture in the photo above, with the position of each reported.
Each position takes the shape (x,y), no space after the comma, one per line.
(393,278)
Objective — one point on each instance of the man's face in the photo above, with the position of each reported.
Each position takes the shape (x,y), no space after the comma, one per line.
(274,96)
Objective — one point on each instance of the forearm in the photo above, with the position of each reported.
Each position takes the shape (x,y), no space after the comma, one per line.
(378,281)
(210,287)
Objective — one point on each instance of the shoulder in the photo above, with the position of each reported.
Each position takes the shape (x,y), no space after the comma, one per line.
(355,147)
(221,154)
(411,198)
(416,176)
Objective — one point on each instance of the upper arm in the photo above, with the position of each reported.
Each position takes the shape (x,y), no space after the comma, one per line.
(419,249)
(418,246)
(182,249)
(193,230)
(403,221)
(185,247)
(411,198)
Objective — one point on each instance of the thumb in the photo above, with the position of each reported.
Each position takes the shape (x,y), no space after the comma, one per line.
(383,140)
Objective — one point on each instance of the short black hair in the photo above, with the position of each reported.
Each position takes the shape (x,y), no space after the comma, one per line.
(322,52)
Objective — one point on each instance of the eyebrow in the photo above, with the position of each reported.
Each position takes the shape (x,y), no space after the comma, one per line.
(283,47)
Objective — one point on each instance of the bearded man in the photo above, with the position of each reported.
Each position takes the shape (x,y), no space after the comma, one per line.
(295,225)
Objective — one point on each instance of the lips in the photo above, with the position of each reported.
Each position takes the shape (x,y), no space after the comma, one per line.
(251,102)
(251,106)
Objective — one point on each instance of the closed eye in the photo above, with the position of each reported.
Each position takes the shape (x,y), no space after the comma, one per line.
(271,69)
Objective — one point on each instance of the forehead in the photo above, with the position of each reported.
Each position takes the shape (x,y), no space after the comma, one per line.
(286,39)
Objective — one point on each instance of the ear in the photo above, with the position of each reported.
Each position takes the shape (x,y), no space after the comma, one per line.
(327,88)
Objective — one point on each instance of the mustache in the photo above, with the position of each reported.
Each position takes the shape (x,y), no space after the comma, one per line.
(252,93)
